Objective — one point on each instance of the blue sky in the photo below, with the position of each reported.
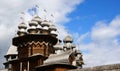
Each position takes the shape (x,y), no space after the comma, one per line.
(89,12)
(85,16)
(94,25)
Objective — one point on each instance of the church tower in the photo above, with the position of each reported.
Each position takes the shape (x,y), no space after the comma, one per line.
(39,49)
(34,44)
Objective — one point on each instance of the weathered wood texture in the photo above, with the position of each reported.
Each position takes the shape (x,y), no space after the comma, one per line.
(113,67)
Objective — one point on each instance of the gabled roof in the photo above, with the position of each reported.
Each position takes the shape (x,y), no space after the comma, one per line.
(12,50)
(59,58)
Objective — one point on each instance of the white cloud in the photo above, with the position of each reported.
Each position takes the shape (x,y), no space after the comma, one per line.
(105,45)
(82,37)
(103,49)
(10,13)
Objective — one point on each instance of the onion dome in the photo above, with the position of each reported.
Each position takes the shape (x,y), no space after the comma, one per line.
(69,46)
(39,28)
(22,25)
(78,59)
(58,46)
(22,29)
(33,27)
(37,19)
(45,28)
(68,39)
(52,27)
(53,30)
(45,23)
(33,23)
(54,33)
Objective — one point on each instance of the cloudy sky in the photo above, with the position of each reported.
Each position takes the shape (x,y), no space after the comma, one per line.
(94,25)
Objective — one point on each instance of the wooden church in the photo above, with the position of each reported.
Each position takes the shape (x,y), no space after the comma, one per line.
(37,48)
